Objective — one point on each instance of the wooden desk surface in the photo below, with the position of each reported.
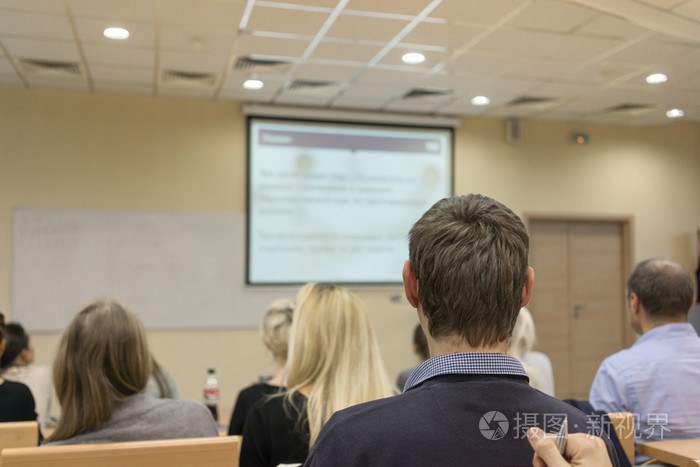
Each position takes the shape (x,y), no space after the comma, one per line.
(676,452)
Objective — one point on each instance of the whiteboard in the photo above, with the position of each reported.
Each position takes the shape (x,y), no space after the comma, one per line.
(175,270)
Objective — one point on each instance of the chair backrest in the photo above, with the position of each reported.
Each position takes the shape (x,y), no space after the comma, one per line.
(19,434)
(219,451)
(623,424)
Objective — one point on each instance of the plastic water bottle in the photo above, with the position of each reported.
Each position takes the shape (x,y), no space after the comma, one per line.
(211,393)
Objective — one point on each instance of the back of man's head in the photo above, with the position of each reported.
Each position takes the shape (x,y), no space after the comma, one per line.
(663,287)
(469,255)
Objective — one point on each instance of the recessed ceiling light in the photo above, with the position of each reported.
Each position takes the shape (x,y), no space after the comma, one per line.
(413,58)
(253,84)
(657,78)
(675,113)
(116,33)
(481,100)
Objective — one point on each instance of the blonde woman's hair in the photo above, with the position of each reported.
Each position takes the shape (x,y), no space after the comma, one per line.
(275,327)
(523,338)
(522,341)
(103,357)
(333,354)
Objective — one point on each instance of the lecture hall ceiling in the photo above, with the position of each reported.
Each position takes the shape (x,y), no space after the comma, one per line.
(562,60)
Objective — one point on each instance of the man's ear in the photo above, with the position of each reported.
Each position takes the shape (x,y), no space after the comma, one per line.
(410,284)
(527,288)
(635,304)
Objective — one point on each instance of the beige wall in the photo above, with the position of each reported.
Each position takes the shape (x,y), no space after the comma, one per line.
(72,150)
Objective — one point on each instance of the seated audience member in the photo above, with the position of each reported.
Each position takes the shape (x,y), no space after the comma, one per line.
(420,348)
(161,383)
(275,335)
(16,400)
(16,365)
(537,365)
(694,313)
(100,373)
(581,450)
(470,404)
(333,363)
(658,378)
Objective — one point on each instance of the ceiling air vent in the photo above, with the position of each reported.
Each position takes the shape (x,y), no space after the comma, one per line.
(250,63)
(630,109)
(50,68)
(186,78)
(302,85)
(422,92)
(531,100)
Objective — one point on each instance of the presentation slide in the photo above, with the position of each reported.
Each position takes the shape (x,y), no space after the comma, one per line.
(332,202)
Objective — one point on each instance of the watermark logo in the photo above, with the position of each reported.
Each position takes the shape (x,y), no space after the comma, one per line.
(493,425)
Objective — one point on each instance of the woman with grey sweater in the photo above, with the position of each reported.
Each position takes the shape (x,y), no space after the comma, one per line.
(100,372)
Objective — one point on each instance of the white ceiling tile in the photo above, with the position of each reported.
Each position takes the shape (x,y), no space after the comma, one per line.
(35,25)
(38,6)
(357,103)
(328,4)
(285,20)
(129,89)
(552,15)
(612,28)
(6,66)
(480,64)
(224,16)
(199,41)
(461,107)
(270,46)
(312,71)
(424,104)
(130,10)
(195,63)
(345,51)
(233,89)
(562,90)
(476,11)
(689,9)
(92,31)
(377,92)
(445,35)
(116,75)
(604,72)
(504,89)
(662,4)
(42,50)
(404,7)
(304,100)
(379,75)
(542,69)
(119,54)
(654,51)
(193,92)
(447,80)
(369,28)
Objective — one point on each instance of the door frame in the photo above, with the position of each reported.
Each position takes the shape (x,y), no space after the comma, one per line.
(627,224)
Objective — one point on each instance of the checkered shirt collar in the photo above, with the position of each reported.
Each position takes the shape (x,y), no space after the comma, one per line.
(474,363)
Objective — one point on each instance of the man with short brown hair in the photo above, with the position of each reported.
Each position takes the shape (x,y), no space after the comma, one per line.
(658,378)
(470,404)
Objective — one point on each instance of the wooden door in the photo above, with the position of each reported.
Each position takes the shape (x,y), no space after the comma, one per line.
(578,302)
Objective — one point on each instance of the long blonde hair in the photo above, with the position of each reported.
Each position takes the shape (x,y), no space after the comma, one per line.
(333,354)
(522,341)
(103,357)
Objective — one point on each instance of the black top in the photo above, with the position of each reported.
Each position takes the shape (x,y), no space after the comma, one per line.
(449,420)
(275,432)
(16,402)
(246,398)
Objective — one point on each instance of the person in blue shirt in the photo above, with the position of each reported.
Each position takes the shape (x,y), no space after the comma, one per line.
(658,378)
(467,276)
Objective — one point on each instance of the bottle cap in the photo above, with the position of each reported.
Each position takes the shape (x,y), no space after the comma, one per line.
(210,371)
